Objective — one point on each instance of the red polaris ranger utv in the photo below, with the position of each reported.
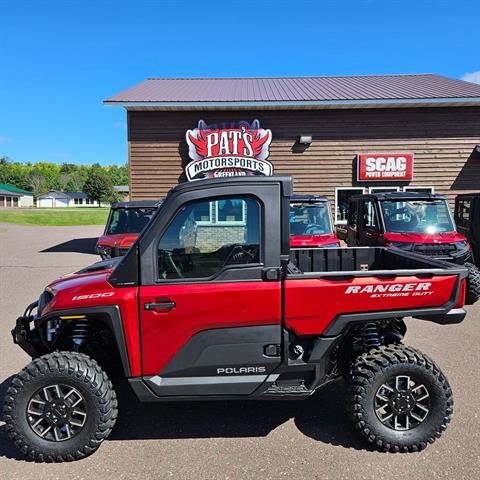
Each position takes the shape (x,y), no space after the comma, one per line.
(311,222)
(211,303)
(417,222)
(125,222)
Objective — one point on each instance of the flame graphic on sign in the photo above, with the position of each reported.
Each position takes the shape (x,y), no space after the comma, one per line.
(250,138)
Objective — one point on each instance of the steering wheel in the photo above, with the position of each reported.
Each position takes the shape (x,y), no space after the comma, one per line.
(310,227)
(237,251)
(173,264)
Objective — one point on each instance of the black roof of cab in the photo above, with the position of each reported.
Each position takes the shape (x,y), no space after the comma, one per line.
(137,204)
(286,181)
(398,196)
(308,198)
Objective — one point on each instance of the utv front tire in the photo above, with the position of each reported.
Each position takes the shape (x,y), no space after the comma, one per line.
(398,399)
(473,284)
(60,407)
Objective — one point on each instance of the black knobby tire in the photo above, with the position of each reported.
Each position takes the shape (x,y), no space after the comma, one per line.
(370,371)
(76,371)
(473,284)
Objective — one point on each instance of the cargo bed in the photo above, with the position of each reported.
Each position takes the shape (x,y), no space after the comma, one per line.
(364,260)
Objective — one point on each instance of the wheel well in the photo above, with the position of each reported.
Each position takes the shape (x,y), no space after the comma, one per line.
(97,333)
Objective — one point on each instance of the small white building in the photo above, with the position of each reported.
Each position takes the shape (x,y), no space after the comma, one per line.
(57,198)
(14,197)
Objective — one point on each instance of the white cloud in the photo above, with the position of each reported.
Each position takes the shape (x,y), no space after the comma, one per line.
(473,77)
(4,138)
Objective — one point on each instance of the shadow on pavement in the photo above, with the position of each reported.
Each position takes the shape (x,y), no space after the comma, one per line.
(78,245)
(321,417)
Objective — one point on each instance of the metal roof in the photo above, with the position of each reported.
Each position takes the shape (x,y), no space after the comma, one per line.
(54,194)
(11,188)
(9,193)
(295,92)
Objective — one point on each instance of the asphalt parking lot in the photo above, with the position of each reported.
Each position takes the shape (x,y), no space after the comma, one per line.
(232,440)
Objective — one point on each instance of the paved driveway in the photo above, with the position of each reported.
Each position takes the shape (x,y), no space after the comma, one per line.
(233,440)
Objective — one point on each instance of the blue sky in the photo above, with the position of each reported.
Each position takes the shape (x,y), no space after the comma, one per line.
(60,59)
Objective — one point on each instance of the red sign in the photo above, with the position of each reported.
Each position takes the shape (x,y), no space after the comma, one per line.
(228,150)
(381,167)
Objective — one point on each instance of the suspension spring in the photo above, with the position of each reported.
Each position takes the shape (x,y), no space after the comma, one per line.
(370,336)
(80,333)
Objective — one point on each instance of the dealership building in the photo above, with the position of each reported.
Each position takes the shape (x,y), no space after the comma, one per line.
(337,136)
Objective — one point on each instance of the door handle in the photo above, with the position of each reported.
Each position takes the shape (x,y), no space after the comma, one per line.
(167,305)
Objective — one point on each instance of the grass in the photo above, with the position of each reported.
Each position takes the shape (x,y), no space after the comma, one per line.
(55,216)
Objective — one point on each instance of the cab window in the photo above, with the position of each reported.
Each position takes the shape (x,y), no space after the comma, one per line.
(193,248)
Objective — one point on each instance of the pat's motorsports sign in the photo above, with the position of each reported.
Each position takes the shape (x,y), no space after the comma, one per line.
(384,167)
(228,150)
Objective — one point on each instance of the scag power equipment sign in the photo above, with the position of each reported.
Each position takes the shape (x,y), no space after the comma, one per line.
(384,167)
(228,150)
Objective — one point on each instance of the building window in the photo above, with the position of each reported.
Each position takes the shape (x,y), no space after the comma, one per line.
(203,213)
(189,249)
(230,211)
(75,201)
(15,201)
(2,201)
(9,201)
(342,196)
(419,189)
(463,211)
(383,189)
(87,201)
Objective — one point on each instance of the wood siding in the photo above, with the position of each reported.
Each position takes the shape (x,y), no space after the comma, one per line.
(442,139)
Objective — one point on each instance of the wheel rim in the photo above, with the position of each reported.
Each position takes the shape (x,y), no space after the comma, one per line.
(57,412)
(402,403)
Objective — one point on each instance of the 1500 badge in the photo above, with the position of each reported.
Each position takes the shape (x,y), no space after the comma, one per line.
(93,295)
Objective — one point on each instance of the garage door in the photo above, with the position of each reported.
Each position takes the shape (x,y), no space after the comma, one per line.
(45,202)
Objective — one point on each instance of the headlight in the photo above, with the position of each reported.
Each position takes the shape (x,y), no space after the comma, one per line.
(461,245)
(330,245)
(402,245)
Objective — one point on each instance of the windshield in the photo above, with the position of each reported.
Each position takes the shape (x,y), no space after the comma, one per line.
(129,220)
(417,216)
(310,219)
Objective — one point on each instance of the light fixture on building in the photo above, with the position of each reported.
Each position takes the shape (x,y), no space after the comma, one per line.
(477,148)
(305,139)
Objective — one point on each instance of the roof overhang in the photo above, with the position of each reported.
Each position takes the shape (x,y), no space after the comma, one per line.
(300,105)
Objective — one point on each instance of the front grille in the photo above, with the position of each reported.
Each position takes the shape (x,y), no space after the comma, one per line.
(435,249)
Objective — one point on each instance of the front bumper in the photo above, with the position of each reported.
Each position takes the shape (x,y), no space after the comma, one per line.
(26,335)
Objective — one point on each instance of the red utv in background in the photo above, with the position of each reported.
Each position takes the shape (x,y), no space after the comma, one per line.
(467,219)
(311,222)
(125,222)
(411,221)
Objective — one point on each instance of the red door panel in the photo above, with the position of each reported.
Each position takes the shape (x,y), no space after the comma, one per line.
(201,307)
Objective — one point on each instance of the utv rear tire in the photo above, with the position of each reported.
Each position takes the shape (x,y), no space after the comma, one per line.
(92,418)
(473,284)
(372,372)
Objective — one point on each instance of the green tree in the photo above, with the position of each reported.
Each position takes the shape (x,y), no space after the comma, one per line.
(99,185)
